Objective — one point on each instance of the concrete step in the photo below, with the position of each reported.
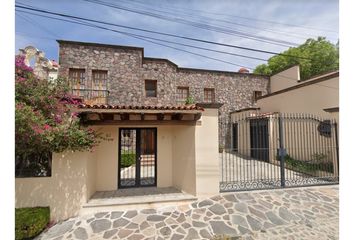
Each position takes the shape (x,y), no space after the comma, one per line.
(115,201)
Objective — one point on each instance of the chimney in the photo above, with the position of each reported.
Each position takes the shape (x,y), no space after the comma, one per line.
(243,70)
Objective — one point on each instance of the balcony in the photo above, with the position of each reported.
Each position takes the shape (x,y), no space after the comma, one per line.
(92,96)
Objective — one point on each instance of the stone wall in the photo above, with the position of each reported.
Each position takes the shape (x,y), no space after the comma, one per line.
(128,69)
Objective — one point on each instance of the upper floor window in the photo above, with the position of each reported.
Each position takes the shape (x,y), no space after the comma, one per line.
(77,78)
(182,94)
(256,95)
(99,79)
(209,95)
(151,88)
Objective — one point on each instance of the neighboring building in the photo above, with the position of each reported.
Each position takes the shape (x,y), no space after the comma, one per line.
(112,74)
(318,95)
(304,112)
(42,67)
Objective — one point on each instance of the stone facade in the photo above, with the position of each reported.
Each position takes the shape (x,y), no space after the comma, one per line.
(127,70)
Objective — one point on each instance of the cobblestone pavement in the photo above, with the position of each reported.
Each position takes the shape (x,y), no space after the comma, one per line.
(297,213)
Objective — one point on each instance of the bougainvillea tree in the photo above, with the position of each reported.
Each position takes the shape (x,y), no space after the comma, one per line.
(45,121)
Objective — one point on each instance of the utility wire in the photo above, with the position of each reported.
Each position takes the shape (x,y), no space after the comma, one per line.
(241,17)
(141,38)
(168,46)
(198,17)
(197,25)
(156,32)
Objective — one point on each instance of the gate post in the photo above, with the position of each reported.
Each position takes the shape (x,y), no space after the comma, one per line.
(281,151)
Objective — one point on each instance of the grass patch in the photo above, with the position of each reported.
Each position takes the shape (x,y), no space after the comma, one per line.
(29,222)
(127,159)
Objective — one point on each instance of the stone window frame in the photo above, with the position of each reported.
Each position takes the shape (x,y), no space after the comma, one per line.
(151,93)
(209,95)
(179,94)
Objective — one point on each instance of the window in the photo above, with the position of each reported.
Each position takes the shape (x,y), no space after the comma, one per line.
(151,88)
(99,79)
(77,78)
(182,94)
(209,95)
(256,94)
(99,84)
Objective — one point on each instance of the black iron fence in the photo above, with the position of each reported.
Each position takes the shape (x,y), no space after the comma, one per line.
(279,150)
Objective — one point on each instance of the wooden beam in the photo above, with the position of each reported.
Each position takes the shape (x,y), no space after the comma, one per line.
(197,116)
(145,122)
(124,116)
(160,116)
(177,116)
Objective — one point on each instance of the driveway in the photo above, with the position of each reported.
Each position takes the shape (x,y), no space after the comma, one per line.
(297,213)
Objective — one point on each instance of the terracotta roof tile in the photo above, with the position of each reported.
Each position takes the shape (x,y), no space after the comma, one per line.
(146,107)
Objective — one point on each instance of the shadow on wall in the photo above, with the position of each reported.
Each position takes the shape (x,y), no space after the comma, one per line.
(64,192)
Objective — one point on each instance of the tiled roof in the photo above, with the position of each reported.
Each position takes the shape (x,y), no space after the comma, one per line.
(133,107)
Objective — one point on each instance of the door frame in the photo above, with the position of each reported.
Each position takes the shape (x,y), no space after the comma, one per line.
(137,156)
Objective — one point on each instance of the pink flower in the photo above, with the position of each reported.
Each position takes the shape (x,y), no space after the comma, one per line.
(47,127)
(58,119)
(37,130)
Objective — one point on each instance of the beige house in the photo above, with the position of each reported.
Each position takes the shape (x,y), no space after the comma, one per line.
(318,95)
(167,146)
(308,112)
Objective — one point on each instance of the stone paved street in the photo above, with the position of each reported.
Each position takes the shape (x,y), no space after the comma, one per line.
(297,213)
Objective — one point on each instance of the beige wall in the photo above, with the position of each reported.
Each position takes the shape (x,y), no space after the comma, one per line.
(187,158)
(164,156)
(308,99)
(207,156)
(64,192)
(285,79)
(107,160)
(183,165)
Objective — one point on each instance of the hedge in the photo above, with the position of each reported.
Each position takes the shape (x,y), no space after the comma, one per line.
(29,222)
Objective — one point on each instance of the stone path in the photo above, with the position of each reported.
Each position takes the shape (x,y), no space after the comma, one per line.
(298,213)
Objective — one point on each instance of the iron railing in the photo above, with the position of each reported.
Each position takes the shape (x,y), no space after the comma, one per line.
(279,150)
(92,96)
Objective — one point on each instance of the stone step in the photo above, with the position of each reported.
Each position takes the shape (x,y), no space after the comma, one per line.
(136,202)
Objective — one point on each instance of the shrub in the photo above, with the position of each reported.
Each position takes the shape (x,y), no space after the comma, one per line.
(45,120)
(128,159)
(30,221)
(307,166)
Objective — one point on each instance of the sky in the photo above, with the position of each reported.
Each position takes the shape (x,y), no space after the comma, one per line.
(287,22)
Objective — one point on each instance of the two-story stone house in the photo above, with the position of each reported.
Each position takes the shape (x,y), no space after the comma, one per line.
(112,74)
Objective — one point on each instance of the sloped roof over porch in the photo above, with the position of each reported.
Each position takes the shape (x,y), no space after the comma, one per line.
(139,114)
